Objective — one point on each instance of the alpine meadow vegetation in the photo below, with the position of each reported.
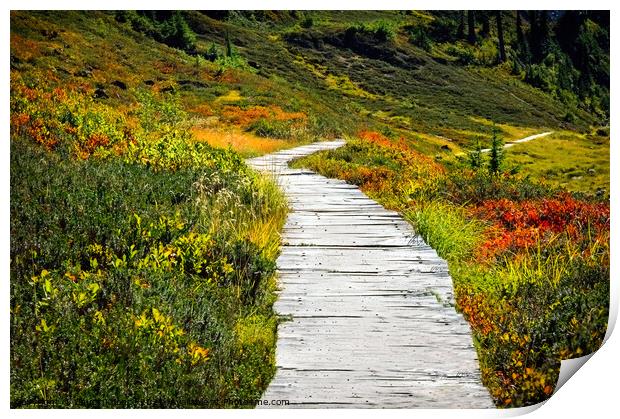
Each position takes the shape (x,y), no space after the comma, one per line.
(142,261)
(143,248)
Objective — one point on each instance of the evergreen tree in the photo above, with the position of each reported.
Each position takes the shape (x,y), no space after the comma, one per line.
(534,35)
(539,34)
(229,49)
(500,36)
(544,33)
(496,155)
(522,46)
(486,26)
(519,29)
(460,32)
(471,27)
(180,35)
(475,157)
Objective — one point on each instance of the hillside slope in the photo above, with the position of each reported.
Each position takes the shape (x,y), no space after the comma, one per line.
(292,82)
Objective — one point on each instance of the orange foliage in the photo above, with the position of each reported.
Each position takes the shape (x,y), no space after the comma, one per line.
(166,67)
(407,156)
(228,76)
(480,316)
(236,115)
(41,134)
(203,109)
(24,49)
(94,141)
(370,179)
(19,121)
(59,94)
(243,142)
(375,137)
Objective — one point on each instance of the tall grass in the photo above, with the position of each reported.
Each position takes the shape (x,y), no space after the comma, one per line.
(446,229)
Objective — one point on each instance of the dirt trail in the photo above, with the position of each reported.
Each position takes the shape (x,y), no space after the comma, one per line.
(522,140)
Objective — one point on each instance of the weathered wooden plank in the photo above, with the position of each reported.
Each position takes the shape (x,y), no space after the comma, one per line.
(370,305)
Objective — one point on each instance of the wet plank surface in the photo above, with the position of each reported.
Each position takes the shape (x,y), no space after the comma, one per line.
(372,322)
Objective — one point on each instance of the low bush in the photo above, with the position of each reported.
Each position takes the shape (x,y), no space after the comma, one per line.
(266,128)
(419,37)
(378,31)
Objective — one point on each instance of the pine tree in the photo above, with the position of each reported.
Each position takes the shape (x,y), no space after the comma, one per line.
(471,26)
(500,36)
(544,34)
(486,24)
(229,49)
(496,158)
(534,35)
(519,29)
(475,157)
(460,33)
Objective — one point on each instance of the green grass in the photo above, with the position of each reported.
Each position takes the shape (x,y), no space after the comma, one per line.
(407,89)
(577,162)
(339,86)
(98,246)
(446,229)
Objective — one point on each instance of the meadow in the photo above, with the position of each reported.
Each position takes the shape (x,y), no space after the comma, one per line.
(142,261)
(577,162)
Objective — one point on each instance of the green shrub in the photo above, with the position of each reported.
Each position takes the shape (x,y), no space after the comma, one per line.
(271,128)
(307,22)
(463,187)
(378,31)
(464,54)
(419,37)
(169,28)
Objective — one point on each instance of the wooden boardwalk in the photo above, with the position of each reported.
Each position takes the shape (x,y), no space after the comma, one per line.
(372,322)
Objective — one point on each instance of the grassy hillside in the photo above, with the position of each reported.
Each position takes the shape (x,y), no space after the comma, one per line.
(576,162)
(143,248)
(375,52)
(142,260)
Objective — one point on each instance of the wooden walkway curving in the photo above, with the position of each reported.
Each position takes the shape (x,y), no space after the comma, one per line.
(372,322)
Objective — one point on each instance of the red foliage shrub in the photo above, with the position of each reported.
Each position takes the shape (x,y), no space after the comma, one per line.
(478,313)
(369,178)
(94,141)
(519,225)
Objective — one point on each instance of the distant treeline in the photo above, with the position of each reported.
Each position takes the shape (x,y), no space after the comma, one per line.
(565,53)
